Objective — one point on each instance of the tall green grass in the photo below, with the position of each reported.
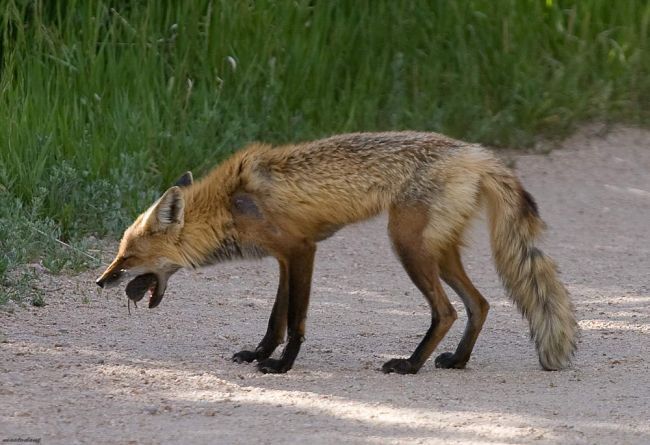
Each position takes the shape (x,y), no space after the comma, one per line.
(103,103)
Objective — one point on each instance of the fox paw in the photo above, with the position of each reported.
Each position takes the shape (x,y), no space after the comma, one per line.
(244,356)
(272,366)
(448,360)
(400,366)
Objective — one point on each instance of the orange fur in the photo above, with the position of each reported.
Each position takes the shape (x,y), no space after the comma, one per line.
(280,201)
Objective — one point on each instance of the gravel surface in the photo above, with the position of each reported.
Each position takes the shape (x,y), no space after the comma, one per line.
(80,370)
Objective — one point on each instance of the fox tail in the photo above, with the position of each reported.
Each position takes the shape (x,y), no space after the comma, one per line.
(527,273)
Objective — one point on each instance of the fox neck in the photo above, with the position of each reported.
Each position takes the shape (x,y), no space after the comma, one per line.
(209,234)
(195,252)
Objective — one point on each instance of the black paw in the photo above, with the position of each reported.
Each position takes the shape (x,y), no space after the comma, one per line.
(244,356)
(447,360)
(272,366)
(400,366)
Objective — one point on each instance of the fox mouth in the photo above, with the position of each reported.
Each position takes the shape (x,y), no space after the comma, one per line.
(140,285)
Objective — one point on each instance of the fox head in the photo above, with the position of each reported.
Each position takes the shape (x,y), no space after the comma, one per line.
(148,250)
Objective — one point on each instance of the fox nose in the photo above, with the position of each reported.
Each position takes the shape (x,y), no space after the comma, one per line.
(100,282)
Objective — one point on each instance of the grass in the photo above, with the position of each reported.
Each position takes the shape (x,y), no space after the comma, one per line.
(104,103)
(25,236)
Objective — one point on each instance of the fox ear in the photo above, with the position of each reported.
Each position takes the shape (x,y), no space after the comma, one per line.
(185,180)
(167,212)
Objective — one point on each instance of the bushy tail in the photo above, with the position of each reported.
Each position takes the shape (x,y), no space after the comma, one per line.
(529,276)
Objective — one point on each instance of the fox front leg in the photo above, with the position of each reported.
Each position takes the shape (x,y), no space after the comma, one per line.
(277,323)
(301,266)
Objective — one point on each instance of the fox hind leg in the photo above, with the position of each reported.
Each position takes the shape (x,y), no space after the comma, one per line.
(419,258)
(453,273)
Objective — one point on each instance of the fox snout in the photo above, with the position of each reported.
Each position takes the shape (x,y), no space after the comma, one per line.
(111,277)
(101,281)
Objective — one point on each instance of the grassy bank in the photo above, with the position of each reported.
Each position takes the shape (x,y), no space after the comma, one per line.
(103,103)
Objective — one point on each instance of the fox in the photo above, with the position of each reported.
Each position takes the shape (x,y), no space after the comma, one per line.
(280,201)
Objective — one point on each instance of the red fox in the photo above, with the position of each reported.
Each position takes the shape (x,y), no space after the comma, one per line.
(280,201)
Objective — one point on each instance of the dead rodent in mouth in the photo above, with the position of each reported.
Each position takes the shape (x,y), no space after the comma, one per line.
(139,286)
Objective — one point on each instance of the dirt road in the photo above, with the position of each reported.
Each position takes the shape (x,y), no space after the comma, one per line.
(80,370)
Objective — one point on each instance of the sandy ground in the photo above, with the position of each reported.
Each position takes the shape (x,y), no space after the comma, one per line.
(80,370)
